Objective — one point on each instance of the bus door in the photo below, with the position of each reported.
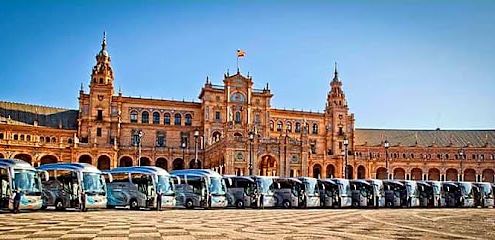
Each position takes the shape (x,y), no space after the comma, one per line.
(143,184)
(426,196)
(395,192)
(452,194)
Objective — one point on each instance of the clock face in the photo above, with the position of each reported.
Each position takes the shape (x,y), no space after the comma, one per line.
(239,156)
(295,158)
(237,97)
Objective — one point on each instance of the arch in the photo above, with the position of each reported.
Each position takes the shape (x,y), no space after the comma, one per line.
(134,116)
(177,119)
(156,118)
(216,136)
(85,159)
(103,162)
(237,134)
(145,117)
(399,173)
(178,164)
(268,166)
(469,175)
(434,174)
(188,120)
(125,162)
(289,127)
(2,156)
(145,161)
(488,175)
(330,171)
(416,174)
(24,157)
(48,159)
(192,164)
(361,172)
(166,119)
(350,172)
(317,171)
(162,162)
(54,140)
(381,173)
(451,174)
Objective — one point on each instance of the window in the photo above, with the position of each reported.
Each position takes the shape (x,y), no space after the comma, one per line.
(135,138)
(99,117)
(84,140)
(42,139)
(22,138)
(145,117)
(54,140)
(98,132)
(134,117)
(47,139)
(101,80)
(237,97)
(28,138)
(289,127)
(156,118)
(237,117)
(188,120)
(257,118)
(315,128)
(16,137)
(114,111)
(160,139)
(166,119)
(178,119)
(207,113)
(1,136)
(271,125)
(341,132)
(298,127)
(279,127)
(217,115)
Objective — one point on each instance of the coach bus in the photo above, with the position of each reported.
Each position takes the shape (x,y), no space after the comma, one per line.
(18,174)
(137,187)
(240,191)
(438,194)
(362,193)
(200,188)
(344,195)
(412,193)
(265,186)
(378,192)
(311,191)
(458,194)
(288,192)
(329,193)
(68,180)
(486,194)
(395,193)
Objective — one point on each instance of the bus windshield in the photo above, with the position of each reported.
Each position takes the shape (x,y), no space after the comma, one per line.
(436,189)
(487,190)
(412,189)
(27,181)
(310,186)
(217,186)
(163,185)
(345,189)
(265,185)
(93,182)
(466,189)
(379,189)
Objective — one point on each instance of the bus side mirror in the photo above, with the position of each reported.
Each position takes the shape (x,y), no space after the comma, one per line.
(178,179)
(110,178)
(45,174)
(278,185)
(230,181)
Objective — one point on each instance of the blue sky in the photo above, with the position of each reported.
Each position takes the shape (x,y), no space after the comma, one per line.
(409,65)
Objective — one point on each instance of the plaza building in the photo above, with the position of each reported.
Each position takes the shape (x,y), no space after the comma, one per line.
(234,130)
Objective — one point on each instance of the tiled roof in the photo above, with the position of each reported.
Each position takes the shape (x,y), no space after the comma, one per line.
(25,114)
(440,138)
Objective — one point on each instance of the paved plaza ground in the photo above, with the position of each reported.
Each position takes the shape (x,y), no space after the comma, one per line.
(252,224)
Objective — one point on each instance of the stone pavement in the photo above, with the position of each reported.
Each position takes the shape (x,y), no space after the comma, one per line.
(252,224)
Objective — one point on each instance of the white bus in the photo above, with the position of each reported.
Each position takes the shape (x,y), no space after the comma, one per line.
(17,174)
(66,183)
(200,188)
(137,187)
(412,199)
(345,195)
(312,191)
(240,191)
(265,186)
(486,194)
(378,192)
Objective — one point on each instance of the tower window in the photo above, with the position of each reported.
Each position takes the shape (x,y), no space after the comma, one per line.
(188,120)
(98,132)
(156,118)
(134,117)
(99,117)
(166,119)
(237,117)
(178,119)
(145,117)
(217,116)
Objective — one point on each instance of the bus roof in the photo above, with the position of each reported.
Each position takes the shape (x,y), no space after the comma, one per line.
(393,182)
(293,179)
(83,167)
(361,181)
(247,178)
(327,180)
(203,172)
(140,169)
(5,162)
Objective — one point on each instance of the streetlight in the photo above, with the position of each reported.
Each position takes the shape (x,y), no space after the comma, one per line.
(386,144)
(346,143)
(196,135)
(251,139)
(140,137)
(461,155)
(183,146)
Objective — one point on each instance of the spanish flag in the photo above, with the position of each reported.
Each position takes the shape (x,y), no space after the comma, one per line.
(240,53)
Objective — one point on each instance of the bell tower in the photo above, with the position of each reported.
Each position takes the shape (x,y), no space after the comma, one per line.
(102,74)
(339,123)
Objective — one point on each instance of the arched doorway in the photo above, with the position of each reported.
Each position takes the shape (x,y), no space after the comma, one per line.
(104,162)
(268,166)
(24,157)
(316,171)
(178,164)
(416,174)
(488,175)
(361,172)
(162,162)
(399,173)
(145,161)
(2,156)
(350,172)
(434,174)
(195,164)
(330,171)
(451,174)
(381,173)
(216,136)
(85,159)
(125,162)
(469,175)
(48,159)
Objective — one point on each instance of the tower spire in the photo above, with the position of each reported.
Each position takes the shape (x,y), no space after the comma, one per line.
(104,43)
(336,73)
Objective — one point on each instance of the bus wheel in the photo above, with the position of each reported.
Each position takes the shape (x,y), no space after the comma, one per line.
(59,205)
(355,204)
(389,204)
(134,204)
(110,207)
(286,204)
(189,204)
(239,204)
